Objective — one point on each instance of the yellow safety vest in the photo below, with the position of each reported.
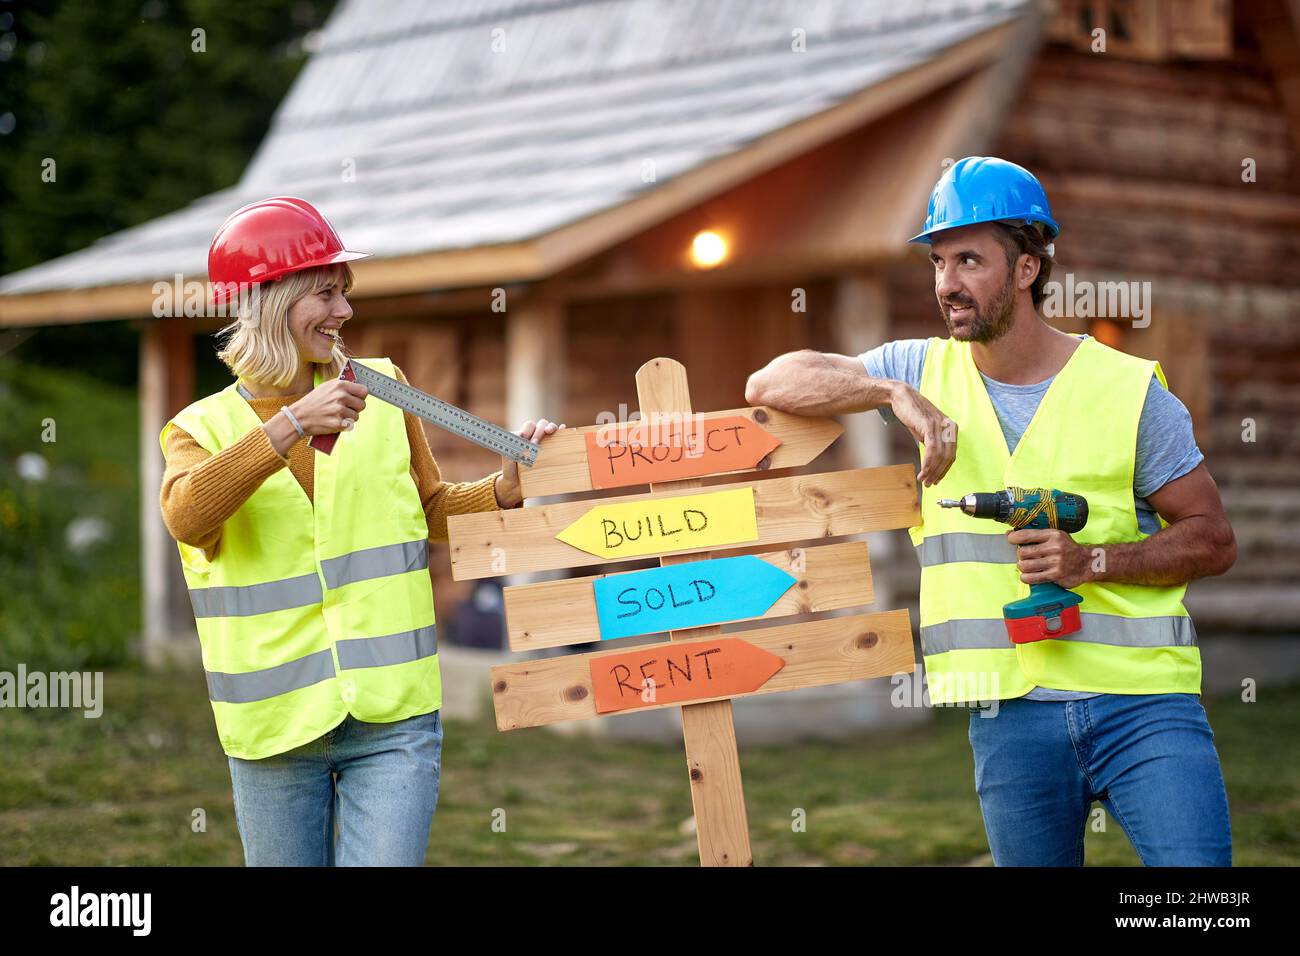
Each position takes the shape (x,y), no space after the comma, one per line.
(1135,639)
(306,614)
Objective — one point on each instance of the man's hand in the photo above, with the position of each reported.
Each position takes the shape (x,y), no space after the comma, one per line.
(508,492)
(1048,554)
(928,425)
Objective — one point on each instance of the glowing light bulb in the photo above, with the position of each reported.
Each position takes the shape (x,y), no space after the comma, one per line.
(708,249)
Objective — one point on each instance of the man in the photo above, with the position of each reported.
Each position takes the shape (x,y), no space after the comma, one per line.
(1112,711)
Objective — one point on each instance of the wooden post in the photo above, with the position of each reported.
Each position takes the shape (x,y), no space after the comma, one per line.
(535,376)
(860,321)
(153,533)
(166,386)
(712,760)
(535,345)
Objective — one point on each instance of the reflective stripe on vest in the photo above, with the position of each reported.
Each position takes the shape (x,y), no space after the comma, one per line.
(390,649)
(965,546)
(355,652)
(1082,438)
(305,589)
(991,633)
(376,562)
(270,681)
(309,611)
(235,601)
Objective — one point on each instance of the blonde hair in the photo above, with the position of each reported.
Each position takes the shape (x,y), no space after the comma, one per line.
(258,344)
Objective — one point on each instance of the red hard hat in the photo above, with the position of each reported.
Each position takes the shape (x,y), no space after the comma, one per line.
(269,239)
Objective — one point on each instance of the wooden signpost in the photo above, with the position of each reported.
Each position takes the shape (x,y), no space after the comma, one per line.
(692,592)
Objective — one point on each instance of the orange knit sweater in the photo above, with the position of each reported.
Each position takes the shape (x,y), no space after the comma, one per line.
(201,490)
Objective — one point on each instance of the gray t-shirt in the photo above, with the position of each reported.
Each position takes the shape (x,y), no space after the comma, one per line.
(1166,447)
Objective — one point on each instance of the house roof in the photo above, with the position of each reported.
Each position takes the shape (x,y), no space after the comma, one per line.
(424,128)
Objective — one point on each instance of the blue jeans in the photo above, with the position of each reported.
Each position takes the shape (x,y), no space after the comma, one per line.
(1149,758)
(377,782)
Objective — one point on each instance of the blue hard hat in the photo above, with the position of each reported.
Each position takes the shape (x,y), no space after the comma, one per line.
(986,189)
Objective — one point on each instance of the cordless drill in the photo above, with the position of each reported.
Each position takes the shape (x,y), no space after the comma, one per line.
(1050,610)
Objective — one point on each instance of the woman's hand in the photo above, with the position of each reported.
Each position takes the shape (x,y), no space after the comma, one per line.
(508,492)
(329,408)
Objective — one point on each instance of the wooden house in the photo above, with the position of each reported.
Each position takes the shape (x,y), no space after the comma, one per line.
(562,157)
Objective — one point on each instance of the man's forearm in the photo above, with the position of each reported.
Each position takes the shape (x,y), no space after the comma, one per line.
(1190,548)
(809,383)
(842,395)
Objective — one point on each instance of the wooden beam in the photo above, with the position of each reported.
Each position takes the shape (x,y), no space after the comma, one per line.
(178,355)
(855,647)
(561,466)
(72,306)
(483,266)
(797,508)
(560,613)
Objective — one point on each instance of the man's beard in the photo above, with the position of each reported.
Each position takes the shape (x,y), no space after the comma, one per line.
(985,325)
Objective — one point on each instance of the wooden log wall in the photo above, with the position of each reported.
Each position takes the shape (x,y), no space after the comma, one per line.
(1143,166)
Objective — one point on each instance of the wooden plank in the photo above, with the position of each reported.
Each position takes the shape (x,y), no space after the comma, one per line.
(560,613)
(797,508)
(831,651)
(561,466)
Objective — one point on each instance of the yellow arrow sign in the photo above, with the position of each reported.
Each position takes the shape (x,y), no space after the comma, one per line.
(656,525)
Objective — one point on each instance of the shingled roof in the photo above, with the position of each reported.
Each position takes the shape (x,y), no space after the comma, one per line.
(415,135)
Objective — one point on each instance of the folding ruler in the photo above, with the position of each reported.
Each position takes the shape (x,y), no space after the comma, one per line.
(443,414)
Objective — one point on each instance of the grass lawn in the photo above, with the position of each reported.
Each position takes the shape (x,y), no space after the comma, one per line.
(123,789)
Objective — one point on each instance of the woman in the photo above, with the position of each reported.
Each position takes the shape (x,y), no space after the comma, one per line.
(308,572)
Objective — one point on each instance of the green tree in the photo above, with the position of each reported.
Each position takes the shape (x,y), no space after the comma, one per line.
(137,122)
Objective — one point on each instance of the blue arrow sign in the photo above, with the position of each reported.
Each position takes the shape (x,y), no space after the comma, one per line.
(691,594)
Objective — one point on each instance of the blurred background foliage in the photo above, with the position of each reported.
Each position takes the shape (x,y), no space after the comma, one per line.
(118,97)
(69,519)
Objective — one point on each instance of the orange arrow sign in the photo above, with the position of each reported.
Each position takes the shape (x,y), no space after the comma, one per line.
(672,673)
(637,453)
